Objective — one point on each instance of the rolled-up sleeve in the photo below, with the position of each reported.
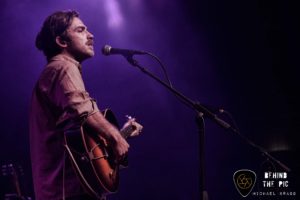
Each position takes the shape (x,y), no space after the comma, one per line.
(69,95)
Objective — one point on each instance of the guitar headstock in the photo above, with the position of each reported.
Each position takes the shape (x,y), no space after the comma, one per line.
(14,184)
(133,125)
(12,170)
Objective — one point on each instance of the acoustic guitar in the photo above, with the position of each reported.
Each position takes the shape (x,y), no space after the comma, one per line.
(93,159)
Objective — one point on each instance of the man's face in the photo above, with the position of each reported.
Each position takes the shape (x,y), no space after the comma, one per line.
(80,43)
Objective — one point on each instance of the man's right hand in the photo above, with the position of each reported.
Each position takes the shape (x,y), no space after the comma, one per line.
(120,148)
(110,133)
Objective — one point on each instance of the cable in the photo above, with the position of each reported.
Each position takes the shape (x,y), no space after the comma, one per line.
(162,66)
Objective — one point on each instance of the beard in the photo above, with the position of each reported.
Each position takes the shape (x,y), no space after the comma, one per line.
(81,52)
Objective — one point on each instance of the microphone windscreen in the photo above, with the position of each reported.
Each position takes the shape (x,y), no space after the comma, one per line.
(106,50)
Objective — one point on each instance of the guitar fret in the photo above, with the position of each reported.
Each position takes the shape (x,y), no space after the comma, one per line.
(127,131)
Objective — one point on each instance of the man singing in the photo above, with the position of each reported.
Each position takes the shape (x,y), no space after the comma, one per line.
(60,101)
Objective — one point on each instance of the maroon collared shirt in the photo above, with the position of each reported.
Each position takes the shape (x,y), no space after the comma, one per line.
(58,101)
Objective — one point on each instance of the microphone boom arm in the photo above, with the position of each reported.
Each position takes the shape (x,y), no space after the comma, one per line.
(202,110)
(193,105)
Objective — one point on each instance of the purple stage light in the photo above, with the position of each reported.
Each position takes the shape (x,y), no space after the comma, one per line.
(114,14)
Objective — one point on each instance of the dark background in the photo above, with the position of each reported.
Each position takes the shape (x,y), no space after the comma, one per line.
(238,55)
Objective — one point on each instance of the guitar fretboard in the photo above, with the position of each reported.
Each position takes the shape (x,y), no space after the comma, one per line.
(127,131)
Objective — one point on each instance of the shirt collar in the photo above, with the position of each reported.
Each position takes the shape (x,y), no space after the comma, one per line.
(67,58)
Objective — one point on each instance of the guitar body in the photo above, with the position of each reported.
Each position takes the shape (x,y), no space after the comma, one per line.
(93,160)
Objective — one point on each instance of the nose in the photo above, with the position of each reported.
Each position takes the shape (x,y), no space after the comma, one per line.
(90,35)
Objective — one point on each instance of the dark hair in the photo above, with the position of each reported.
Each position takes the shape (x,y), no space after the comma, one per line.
(54,25)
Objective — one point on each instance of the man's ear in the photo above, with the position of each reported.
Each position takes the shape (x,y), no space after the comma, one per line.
(61,42)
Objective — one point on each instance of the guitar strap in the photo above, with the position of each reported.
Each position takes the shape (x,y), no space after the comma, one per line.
(95,194)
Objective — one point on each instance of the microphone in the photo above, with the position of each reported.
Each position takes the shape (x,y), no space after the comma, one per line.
(108,50)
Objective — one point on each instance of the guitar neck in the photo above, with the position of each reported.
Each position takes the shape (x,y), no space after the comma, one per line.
(126,132)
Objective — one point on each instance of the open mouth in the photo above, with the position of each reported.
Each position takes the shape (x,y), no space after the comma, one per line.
(90,46)
(90,43)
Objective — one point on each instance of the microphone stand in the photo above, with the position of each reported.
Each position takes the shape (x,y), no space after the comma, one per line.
(202,112)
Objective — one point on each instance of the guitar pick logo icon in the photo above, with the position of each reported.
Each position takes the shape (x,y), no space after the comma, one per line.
(244,181)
